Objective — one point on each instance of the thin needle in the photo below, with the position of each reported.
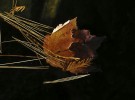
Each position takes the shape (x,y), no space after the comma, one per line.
(66,79)
(8,41)
(0,42)
(19,62)
(22,56)
(23,67)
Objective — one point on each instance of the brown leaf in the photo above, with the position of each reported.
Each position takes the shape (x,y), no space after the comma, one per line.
(60,41)
(67,48)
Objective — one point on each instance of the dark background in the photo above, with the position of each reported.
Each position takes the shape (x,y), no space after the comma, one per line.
(114,19)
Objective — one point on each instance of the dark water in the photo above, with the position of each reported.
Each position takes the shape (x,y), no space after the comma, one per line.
(114,19)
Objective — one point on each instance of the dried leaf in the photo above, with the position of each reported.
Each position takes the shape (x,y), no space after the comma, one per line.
(60,41)
(59,44)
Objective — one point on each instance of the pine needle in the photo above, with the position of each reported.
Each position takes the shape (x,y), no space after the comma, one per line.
(21,56)
(66,79)
(23,67)
(0,42)
(17,62)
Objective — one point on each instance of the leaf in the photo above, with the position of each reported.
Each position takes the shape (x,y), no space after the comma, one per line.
(60,41)
(59,44)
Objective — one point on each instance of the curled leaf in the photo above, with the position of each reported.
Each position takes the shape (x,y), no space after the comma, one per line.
(72,46)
